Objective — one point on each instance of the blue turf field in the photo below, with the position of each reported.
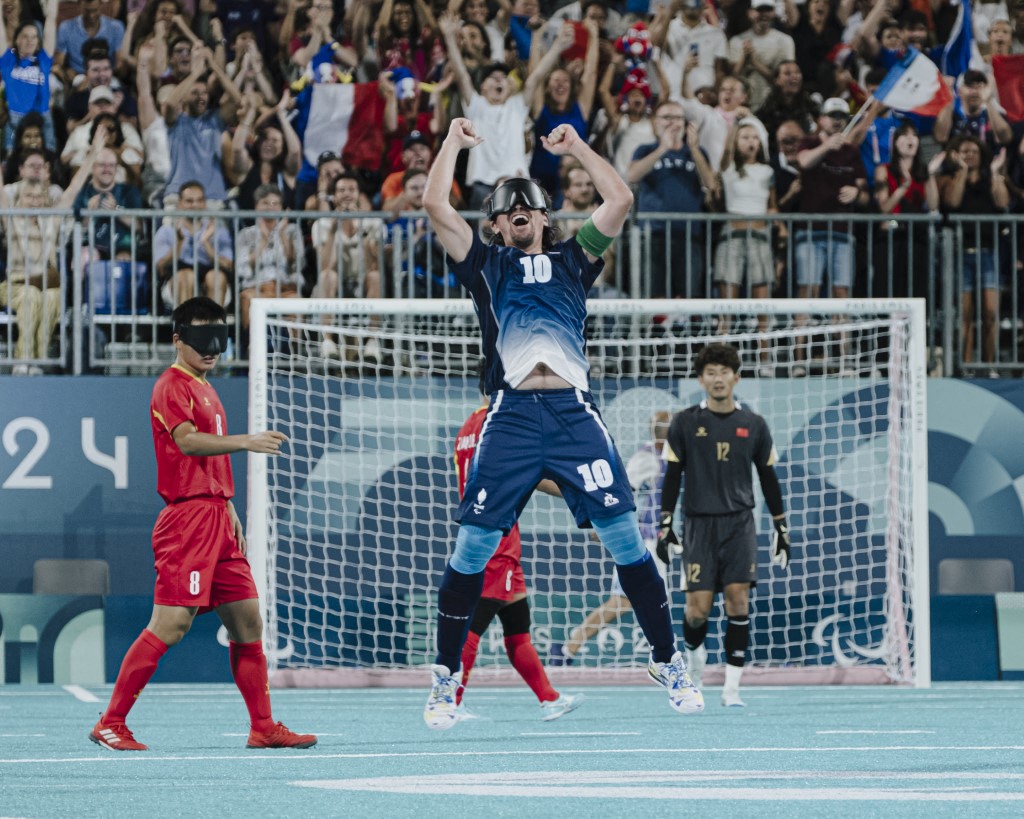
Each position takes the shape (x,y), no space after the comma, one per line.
(953,750)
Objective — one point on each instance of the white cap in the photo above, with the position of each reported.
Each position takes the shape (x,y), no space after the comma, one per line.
(834,105)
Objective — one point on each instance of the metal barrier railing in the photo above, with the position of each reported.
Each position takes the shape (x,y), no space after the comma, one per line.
(122,271)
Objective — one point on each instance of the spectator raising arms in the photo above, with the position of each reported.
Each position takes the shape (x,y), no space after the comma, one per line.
(567,100)
(406,36)
(25,68)
(196,134)
(275,156)
(500,115)
(73,34)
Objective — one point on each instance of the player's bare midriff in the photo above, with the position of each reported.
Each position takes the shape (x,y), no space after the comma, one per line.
(542,377)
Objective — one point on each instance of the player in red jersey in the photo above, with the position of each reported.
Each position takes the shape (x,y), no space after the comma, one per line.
(198,540)
(504,595)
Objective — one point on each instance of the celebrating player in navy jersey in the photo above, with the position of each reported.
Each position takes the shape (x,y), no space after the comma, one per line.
(717,444)
(530,291)
(504,597)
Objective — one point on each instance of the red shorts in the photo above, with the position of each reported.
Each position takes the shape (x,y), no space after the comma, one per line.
(197,559)
(503,579)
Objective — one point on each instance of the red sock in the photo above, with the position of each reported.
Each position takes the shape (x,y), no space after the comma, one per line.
(525,660)
(249,668)
(469,650)
(137,669)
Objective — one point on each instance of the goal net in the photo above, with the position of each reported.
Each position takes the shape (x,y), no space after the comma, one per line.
(350,529)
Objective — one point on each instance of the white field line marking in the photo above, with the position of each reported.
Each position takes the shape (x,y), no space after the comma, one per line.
(22,735)
(689,794)
(280,757)
(81,694)
(680,785)
(580,734)
(874,732)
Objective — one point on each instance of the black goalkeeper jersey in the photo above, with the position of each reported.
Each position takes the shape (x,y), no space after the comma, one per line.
(718,454)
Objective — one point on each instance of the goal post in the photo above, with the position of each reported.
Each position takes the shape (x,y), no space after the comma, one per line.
(350,528)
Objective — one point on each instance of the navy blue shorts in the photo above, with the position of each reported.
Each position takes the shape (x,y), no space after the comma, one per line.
(533,434)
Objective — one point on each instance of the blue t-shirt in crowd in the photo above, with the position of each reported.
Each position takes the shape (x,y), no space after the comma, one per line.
(672,185)
(71,35)
(26,80)
(195,144)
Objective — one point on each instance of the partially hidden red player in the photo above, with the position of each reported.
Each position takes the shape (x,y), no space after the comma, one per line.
(198,540)
(504,594)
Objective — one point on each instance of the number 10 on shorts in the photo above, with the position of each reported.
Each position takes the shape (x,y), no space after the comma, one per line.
(597,475)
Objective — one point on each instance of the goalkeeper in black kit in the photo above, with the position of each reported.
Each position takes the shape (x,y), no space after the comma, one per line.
(715,444)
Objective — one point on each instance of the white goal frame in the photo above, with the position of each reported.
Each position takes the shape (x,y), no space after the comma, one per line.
(260,529)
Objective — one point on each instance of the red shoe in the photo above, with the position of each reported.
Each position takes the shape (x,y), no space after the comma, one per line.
(115,737)
(279,737)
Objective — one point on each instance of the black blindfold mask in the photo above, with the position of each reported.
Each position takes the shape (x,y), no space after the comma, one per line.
(514,192)
(205,339)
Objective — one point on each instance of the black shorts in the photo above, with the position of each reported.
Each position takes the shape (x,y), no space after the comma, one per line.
(719,550)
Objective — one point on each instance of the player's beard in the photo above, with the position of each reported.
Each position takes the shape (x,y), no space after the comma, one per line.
(523,241)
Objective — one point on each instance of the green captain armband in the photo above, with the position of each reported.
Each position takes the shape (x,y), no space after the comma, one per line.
(592,240)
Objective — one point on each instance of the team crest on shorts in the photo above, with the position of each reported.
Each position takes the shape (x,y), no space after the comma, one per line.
(481,496)
(610,500)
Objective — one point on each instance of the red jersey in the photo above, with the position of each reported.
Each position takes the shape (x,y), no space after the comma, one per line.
(179,396)
(465,448)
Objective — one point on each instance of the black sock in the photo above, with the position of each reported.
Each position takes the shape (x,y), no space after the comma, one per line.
(693,636)
(457,597)
(646,592)
(737,637)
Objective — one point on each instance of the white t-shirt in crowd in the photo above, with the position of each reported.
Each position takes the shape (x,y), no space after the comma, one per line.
(709,43)
(503,150)
(771,48)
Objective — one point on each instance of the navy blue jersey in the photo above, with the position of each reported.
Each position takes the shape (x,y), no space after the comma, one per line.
(531,309)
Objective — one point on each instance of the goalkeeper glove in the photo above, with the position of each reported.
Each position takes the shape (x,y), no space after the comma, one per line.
(666,536)
(779,543)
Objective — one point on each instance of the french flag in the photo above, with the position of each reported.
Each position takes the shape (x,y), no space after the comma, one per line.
(344,118)
(956,55)
(914,84)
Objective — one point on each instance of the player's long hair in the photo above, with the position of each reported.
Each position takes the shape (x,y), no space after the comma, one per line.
(550,235)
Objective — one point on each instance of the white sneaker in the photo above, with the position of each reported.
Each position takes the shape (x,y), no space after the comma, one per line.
(19,369)
(441,713)
(766,371)
(683,695)
(560,707)
(371,350)
(798,371)
(328,349)
(731,698)
(695,662)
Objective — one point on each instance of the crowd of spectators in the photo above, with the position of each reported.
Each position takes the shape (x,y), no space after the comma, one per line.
(749,108)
